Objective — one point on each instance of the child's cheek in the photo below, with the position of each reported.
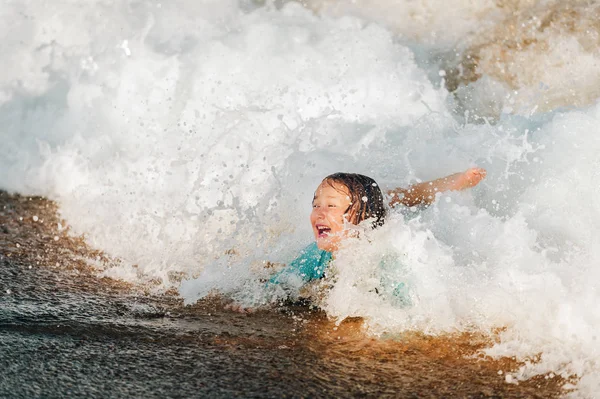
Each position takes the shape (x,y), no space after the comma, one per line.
(336,218)
(339,220)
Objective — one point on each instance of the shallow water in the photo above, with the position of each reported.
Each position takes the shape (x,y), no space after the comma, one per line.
(64,332)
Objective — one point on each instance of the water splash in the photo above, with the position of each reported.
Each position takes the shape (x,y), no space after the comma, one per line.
(188,145)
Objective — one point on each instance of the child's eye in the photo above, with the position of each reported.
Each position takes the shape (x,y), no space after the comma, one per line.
(332,206)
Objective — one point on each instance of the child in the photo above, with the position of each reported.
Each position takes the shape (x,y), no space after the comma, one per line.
(347,198)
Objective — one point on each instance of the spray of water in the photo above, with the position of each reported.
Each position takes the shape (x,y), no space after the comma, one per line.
(186,140)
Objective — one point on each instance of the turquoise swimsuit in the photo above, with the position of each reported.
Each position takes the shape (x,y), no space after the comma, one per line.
(309,265)
(312,263)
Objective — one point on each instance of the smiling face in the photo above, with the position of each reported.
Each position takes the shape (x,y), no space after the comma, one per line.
(330,203)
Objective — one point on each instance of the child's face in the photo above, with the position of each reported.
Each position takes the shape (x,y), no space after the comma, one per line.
(327,217)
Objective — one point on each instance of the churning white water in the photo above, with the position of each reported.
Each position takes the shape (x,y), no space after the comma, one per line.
(186,139)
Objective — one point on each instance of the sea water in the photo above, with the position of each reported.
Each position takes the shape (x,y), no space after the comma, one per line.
(185,139)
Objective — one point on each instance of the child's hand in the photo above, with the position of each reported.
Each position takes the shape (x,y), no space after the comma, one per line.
(469,178)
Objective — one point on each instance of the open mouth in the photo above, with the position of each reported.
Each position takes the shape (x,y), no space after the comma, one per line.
(322,231)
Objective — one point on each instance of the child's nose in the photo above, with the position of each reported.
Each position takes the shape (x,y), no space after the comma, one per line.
(322,212)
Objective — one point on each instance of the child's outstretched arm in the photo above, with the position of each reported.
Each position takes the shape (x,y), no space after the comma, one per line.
(424,193)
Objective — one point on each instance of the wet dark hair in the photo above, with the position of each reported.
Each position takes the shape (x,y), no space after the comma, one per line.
(366,199)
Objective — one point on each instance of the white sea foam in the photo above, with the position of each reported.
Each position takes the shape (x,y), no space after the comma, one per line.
(182,145)
(186,139)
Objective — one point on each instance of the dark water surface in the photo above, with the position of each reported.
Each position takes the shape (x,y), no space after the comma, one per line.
(65,332)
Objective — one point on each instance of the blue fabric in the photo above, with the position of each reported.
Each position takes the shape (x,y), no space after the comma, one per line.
(309,265)
(312,263)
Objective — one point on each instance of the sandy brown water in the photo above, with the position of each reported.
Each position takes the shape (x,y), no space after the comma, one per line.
(66,332)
